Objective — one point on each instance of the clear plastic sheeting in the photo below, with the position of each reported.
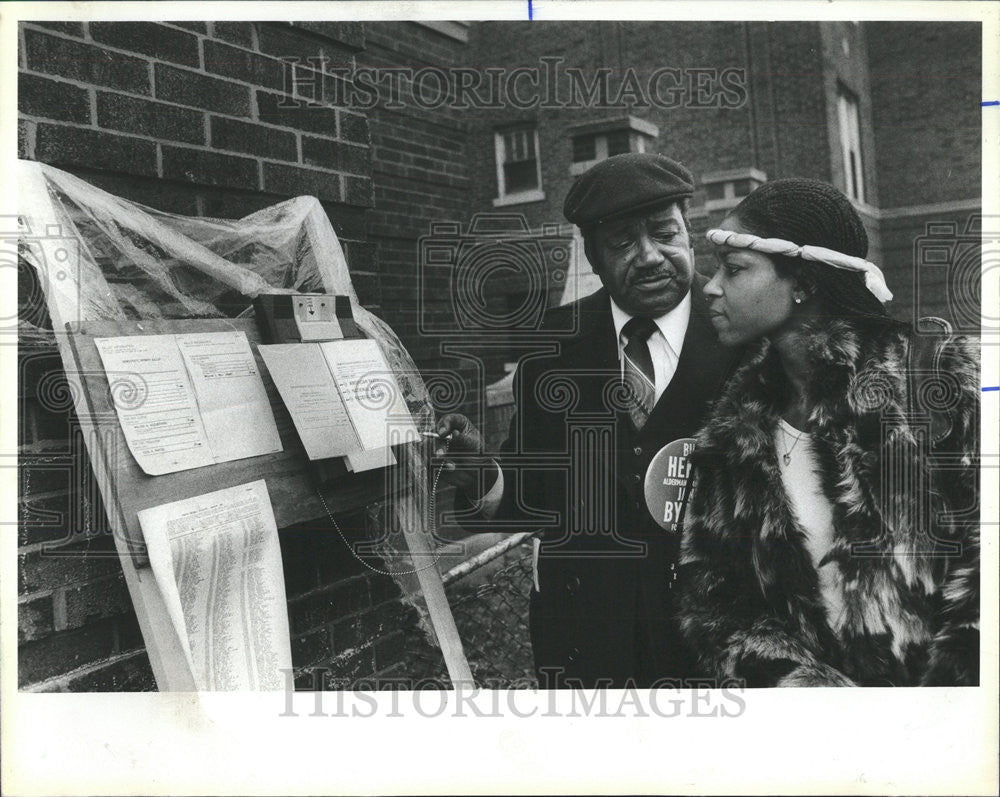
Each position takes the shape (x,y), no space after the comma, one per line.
(137,262)
(101,257)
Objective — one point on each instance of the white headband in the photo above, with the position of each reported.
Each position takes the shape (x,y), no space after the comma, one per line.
(874,279)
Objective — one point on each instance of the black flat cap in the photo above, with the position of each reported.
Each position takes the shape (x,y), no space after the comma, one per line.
(625,184)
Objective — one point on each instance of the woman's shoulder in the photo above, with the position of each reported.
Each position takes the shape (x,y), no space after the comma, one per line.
(936,344)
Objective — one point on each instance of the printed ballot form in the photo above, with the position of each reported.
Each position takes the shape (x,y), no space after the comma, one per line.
(343,399)
(186,401)
(217,562)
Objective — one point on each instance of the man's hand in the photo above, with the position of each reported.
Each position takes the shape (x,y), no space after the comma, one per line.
(464,455)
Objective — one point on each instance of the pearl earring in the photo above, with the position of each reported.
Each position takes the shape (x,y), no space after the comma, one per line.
(798,300)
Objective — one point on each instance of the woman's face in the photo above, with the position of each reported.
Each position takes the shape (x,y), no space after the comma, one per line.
(747,298)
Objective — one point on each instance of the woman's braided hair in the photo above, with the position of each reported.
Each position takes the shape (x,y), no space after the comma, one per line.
(813,212)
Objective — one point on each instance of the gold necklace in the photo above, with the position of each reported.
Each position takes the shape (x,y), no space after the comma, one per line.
(787,456)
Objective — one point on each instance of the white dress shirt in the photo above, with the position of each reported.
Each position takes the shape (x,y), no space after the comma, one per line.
(664,349)
(664,345)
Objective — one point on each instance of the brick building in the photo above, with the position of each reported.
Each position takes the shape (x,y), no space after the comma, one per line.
(190,118)
(888,112)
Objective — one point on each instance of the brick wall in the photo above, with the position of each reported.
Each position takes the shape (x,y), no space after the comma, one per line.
(781,128)
(188,118)
(926,96)
(420,163)
(705,139)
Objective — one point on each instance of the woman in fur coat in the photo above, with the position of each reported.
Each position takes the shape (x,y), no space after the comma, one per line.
(832,531)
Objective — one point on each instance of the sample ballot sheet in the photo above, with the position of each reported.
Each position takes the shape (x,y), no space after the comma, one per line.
(217,562)
(343,399)
(185,401)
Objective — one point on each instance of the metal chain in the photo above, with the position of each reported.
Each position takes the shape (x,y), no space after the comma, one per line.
(433,515)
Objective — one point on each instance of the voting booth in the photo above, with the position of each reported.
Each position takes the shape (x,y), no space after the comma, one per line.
(228,383)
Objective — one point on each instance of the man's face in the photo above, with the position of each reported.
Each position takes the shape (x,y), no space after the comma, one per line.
(645,260)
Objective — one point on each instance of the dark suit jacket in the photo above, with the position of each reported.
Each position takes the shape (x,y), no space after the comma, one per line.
(574,466)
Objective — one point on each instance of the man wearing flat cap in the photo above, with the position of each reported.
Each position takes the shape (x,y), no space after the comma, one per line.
(638,373)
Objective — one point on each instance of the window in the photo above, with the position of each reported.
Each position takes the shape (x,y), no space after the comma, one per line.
(742,187)
(850,144)
(584,148)
(618,142)
(715,190)
(519,168)
(724,190)
(594,141)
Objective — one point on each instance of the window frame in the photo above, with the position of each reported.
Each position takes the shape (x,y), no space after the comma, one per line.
(849,126)
(505,197)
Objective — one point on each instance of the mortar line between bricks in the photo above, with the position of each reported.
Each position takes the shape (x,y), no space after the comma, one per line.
(277,59)
(31,129)
(27,597)
(150,99)
(420,178)
(309,166)
(22,56)
(151,61)
(92,97)
(33,547)
(52,548)
(66,678)
(201,49)
(183,144)
(254,105)
(91,42)
(42,495)
(416,113)
(320,590)
(59,614)
(202,73)
(306,33)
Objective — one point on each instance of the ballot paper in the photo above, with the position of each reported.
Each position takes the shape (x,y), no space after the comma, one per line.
(306,386)
(343,399)
(217,563)
(370,392)
(185,401)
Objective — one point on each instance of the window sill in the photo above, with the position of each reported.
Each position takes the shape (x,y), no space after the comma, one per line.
(579,167)
(519,198)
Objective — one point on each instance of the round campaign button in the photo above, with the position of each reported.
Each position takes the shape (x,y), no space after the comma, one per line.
(666,481)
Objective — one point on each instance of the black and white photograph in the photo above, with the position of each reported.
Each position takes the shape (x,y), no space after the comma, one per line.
(445,381)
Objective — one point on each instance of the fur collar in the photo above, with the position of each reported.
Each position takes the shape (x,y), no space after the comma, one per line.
(858,392)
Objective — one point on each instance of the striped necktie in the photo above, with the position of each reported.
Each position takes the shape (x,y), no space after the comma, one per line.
(638,369)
